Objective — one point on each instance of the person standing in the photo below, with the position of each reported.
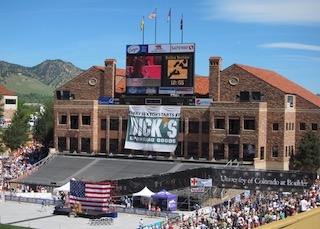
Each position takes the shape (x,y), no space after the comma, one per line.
(141,224)
(128,202)
(43,206)
(304,205)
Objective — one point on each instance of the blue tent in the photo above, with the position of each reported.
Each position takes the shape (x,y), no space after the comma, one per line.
(168,200)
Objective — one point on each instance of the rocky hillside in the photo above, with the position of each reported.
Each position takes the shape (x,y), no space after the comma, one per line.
(52,73)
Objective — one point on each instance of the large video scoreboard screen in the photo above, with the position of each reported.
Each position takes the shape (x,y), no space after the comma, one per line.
(160,69)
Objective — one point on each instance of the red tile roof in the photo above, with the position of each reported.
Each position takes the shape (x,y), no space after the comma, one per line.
(201,85)
(5,91)
(282,83)
(270,77)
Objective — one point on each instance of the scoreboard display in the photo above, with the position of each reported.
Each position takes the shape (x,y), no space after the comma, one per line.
(160,69)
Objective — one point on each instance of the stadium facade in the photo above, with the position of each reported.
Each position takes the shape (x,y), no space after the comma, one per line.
(246,113)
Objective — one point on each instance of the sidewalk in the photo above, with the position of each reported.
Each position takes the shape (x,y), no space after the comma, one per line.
(30,215)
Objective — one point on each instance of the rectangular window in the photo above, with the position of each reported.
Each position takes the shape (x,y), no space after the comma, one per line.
(219,123)
(74,145)
(86,120)
(234,126)
(205,150)
(124,124)
(218,151)
(248,152)
(275,126)
(62,144)
(10,101)
(287,126)
(63,95)
(193,149)
(244,96)
(62,119)
(103,145)
(193,127)
(113,145)
(302,126)
(205,127)
(290,101)
(103,124)
(314,126)
(249,124)
(275,151)
(261,153)
(256,96)
(74,122)
(114,124)
(85,145)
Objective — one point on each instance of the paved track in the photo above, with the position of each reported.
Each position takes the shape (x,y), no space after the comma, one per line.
(30,215)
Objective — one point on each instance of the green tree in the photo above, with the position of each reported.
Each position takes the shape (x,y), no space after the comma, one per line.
(43,131)
(17,134)
(308,157)
(1,130)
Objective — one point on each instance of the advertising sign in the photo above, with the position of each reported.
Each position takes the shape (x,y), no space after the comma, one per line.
(203,102)
(160,66)
(153,128)
(106,101)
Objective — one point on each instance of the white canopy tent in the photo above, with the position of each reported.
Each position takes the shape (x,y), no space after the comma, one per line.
(145,192)
(143,197)
(63,188)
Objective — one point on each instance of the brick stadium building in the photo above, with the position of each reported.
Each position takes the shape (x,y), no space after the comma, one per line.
(256,115)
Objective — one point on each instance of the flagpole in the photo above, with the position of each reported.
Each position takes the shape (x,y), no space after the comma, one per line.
(155,27)
(143,30)
(181,27)
(169,17)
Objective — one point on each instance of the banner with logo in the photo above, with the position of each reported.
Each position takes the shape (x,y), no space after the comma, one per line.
(194,181)
(153,128)
(224,177)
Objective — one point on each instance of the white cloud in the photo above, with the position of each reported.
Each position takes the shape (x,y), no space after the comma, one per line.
(261,11)
(301,58)
(288,45)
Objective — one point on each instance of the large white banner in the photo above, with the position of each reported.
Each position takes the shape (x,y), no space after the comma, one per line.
(153,128)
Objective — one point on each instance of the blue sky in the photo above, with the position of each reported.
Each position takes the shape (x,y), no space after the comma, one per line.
(283,36)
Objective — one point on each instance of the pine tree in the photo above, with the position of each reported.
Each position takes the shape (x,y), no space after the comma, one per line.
(308,157)
(17,133)
(43,132)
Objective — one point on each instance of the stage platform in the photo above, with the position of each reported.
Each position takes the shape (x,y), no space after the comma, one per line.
(91,214)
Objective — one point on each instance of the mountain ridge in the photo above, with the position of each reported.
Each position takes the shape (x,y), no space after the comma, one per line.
(37,84)
(53,73)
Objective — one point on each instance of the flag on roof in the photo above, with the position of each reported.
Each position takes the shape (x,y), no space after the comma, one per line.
(91,195)
(153,15)
(169,15)
(142,24)
(181,23)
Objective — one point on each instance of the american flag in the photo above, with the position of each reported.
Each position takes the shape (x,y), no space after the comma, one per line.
(153,15)
(91,195)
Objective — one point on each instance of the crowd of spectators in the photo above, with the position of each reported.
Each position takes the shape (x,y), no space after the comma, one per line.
(253,209)
(20,163)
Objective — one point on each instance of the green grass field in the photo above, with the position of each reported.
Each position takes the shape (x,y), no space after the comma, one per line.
(27,85)
(3,226)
